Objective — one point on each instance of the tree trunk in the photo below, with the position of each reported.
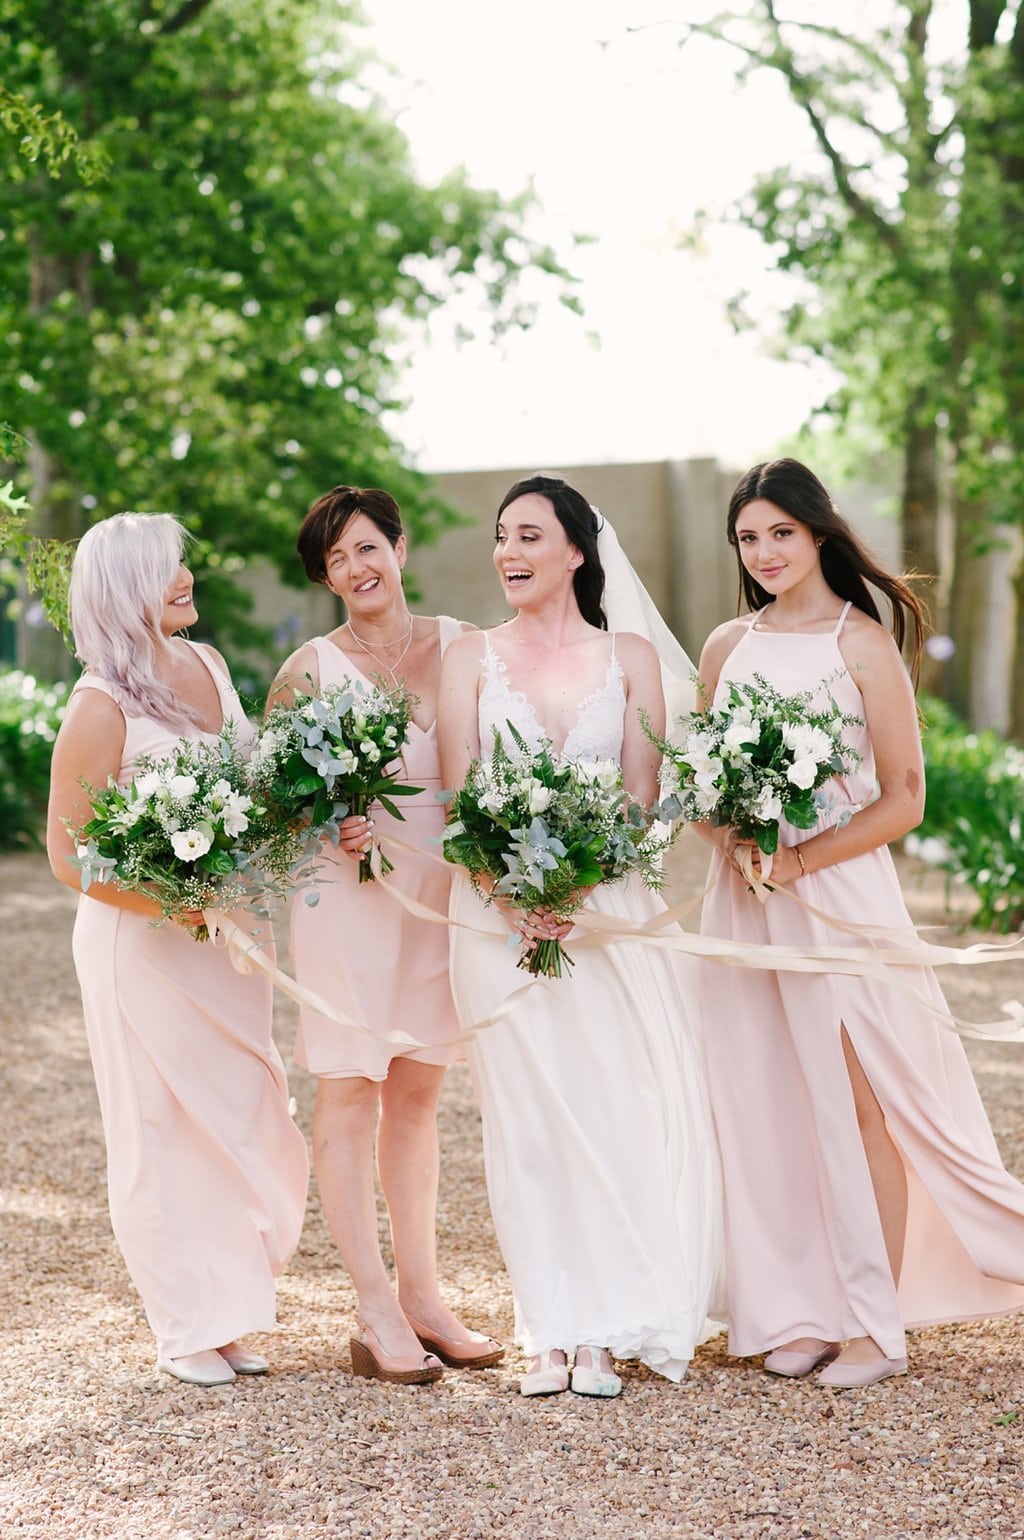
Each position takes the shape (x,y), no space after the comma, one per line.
(1017,681)
(922,547)
(56,501)
(41,650)
(982,624)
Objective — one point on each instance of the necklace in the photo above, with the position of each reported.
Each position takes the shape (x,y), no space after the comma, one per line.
(389,668)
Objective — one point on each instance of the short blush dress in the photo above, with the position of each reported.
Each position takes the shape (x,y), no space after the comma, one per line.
(358,948)
(805,1252)
(206,1169)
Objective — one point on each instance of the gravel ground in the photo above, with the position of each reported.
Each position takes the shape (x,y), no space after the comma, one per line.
(95,1443)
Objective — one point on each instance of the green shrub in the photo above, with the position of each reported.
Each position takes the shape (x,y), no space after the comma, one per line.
(975,807)
(30,714)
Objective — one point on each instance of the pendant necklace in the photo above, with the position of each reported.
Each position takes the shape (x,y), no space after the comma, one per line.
(406,637)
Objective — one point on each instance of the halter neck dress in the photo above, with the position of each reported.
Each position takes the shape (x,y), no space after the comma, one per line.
(206,1169)
(598,1145)
(805,1251)
(358,948)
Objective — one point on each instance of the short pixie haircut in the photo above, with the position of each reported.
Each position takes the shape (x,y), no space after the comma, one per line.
(326,520)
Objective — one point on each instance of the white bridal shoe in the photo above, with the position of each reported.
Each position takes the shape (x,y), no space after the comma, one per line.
(590,1377)
(204,1369)
(548,1378)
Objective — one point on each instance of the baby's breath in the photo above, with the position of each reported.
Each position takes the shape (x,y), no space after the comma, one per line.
(757,759)
(544,828)
(330,756)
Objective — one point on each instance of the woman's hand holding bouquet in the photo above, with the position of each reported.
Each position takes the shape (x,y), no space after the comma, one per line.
(542,832)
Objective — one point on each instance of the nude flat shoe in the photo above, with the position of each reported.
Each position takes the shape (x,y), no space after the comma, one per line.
(242,1361)
(795,1365)
(548,1379)
(205,1369)
(852,1376)
(479,1352)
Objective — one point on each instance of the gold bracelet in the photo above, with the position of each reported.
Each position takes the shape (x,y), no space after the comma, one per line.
(796,852)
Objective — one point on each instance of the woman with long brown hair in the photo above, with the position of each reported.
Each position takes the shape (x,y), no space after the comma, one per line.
(864,1191)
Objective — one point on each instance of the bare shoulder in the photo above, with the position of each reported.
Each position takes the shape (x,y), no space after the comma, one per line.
(864,643)
(467,649)
(300,663)
(634,652)
(91,708)
(721,642)
(209,651)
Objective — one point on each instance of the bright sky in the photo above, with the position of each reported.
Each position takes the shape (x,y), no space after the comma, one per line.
(623,137)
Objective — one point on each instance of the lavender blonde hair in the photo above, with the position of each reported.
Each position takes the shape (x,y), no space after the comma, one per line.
(122,570)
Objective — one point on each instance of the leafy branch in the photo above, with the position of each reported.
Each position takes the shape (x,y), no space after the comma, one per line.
(46,563)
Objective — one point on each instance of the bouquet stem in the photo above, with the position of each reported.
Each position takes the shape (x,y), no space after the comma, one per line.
(360,807)
(547,958)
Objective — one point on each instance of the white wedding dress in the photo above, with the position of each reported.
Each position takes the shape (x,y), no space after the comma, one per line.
(601,1161)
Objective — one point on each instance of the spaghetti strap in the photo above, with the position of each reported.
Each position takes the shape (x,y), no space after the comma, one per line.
(841,621)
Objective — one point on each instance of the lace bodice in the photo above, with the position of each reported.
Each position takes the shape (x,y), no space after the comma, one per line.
(596,733)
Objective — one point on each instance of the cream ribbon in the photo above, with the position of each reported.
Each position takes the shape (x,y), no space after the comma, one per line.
(892,949)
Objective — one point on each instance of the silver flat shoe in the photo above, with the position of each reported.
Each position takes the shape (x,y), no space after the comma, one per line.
(205,1369)
(242,1361)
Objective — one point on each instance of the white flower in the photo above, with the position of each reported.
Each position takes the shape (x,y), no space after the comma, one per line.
(390,736)
(803,773)
(190,844)
(233,816)
(222,790)
(598,772)
(369,751)
(767,807)
(743,729)
(181,787)
(540,798)
(705,799)
(146,785)
(492,801)
(807,742)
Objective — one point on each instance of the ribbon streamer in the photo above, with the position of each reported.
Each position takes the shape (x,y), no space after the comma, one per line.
(892,949)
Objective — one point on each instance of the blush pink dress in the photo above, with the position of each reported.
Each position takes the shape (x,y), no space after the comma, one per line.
(206,1169)
(358,948)
(805,1251)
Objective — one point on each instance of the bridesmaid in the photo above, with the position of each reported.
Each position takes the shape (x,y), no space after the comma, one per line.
(864,1191)
(359,949)
(207,1172)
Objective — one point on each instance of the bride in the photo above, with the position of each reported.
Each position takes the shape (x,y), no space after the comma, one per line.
(598,1143)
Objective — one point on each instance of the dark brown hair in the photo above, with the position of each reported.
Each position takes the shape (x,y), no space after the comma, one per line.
(847,566)
(326,520)
(581,523)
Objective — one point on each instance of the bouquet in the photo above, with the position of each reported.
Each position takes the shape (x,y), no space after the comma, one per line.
(187,833)
(546,829)
(760,757)
(330,755)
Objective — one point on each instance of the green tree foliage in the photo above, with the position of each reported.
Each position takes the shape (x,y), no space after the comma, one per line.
(905,232)
(209,327)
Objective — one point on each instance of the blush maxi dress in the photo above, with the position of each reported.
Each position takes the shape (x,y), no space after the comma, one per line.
(599,1150)
(206,1169)
(358,948)
(805,1254)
